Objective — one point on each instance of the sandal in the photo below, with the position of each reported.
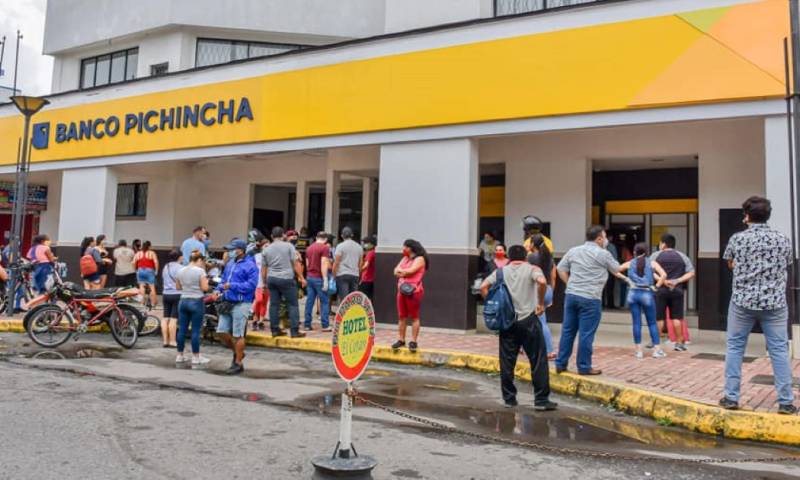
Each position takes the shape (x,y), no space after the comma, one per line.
(412,347)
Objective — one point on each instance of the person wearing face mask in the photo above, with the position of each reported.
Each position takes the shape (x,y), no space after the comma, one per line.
(367,284)
(237,289)
(410,272)
(584,269)
(500,259)
(541,257)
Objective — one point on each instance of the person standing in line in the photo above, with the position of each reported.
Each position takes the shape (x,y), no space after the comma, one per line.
(124,270)
(409,272)
(317,278)
(91,281)
(608,292)
(367,284)
(136,245)
(500,259)
(670,294)
(625,255)
(347,264)
(760,258)
(43,262)
(192,283)
(260,243)
(541,257)
(526,285)
(488,247)
(146,263)
(105,264)
(584,269)
(238,289)
(194,243)
(279,271)
(642,280)
(171,297)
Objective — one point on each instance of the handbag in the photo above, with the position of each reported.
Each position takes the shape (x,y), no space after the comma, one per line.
(225,308)
(407,289)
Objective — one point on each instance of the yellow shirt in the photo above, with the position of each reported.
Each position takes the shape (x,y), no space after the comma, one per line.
(547,243)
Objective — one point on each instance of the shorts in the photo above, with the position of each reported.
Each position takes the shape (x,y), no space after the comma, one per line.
(408,306)
(146,276)
(171,302)
(260,305)
(236,321)
(93,278)
(672,299)
(126,280)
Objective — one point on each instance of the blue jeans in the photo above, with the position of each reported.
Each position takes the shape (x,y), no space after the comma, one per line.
(581,318)
(641,300)
(548,336)
(283,289)
(190,311)
(41,272)
(315,291)
(774,325)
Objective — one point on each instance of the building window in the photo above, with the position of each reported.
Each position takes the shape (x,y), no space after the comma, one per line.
(214,52)
(112,68)
(159,69)
(131,200)
(513,7)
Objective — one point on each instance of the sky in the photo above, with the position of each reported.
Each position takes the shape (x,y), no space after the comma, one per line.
(35,70)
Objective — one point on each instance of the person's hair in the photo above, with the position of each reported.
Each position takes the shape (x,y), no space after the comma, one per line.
(418,250)
(545,255)
(277,232)
(668,239)
(516,253)
(39,239)
(322,235)
(640,251)
(122,243)
(593,232)
(173,256)
(491,234)
(100,238)
(198,229)
(500,245)
(759,209)
(347,233)
(146,245)
(136,244)
(85,244)
(195,256)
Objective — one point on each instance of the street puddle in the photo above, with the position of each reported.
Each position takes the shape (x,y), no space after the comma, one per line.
(69,352)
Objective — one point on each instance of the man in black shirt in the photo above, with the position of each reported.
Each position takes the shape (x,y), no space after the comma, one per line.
(670,293)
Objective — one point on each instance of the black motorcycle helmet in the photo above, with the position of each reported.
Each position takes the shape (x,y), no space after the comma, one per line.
(531,224)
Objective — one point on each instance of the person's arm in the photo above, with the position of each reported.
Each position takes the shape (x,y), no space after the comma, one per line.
(487,284)
(204,283)
(541,285)
(553,277)
(416,266)
(249,283)
(729,252)
(625,266)
(298,270)
(364,264)
(3,274)
(50,256)
(155,259)
(361,262)
(659,274)
(397,270)
(690,274)
(563,267)
(336,263)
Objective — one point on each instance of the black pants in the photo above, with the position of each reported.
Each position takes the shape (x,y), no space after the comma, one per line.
(526,334)
(345,285)
(368,288)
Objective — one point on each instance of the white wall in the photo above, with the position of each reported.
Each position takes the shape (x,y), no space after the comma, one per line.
(777,179)
(88,201)
(409,14)
(547,174)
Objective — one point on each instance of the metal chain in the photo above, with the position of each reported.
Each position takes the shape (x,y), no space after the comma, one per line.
(558,450)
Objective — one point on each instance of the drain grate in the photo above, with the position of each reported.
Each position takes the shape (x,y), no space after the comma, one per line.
(720,357)
(770,380)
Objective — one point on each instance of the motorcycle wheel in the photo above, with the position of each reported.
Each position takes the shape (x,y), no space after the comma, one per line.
(49,326)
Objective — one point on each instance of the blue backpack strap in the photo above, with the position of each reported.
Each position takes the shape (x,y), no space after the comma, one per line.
(500,277)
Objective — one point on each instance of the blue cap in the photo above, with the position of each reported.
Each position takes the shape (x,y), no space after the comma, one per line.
(236,244)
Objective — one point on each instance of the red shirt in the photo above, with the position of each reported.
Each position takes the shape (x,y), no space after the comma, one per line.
(368,275)
(314,255)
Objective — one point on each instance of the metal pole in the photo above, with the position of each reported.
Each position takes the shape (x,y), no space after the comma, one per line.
(794,16)
(20,198)
(345,426)
(16,64)
(2,52)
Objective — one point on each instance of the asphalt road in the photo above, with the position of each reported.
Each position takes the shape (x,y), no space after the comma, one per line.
(92,411)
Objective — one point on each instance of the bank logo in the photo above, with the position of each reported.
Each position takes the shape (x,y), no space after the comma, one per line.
(41,135)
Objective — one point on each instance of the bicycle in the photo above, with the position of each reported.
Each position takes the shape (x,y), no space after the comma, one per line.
(151,324)
(51,325)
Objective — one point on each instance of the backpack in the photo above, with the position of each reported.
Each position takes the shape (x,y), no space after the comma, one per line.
(88,265)
(498,309)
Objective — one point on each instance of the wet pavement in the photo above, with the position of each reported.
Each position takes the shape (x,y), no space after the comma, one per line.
(463,400)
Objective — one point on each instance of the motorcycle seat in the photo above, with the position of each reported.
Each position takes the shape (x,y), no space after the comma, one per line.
(95,294)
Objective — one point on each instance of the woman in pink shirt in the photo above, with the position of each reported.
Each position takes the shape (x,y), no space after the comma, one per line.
(409,273)
(500,258)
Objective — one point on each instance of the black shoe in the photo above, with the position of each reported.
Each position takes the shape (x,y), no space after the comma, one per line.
(279,333)
(561,370)
(728,404)
(298,335)
(546,407)
(511,403)
(235,369)
(787,409)
(412,347)
(398,344)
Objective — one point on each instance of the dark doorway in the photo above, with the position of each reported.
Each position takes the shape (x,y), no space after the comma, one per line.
(264,219)
(730,222)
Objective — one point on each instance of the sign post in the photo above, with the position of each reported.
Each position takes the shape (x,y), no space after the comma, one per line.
(351,350)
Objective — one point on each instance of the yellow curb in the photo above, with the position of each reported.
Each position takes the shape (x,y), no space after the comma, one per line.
(695,416)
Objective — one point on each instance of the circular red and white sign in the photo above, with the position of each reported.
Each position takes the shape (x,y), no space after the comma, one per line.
(353,336)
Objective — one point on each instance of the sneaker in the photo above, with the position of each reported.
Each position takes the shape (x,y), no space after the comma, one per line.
(728,404)
(398,345)
(412,347)
(638,354)
(511,403)
(181,358)
(546,407)
(787,409)
(199,361)
(679,347)
(659,354)
(298,335)
(235,369)
(327,329)
(279,333)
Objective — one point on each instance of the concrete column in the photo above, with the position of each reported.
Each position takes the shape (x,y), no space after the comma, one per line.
(332,181)
(776,164)
(88,204)
(301,205)
(367,207)
(429,192)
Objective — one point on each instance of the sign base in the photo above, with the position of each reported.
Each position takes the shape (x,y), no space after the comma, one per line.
(337,467)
